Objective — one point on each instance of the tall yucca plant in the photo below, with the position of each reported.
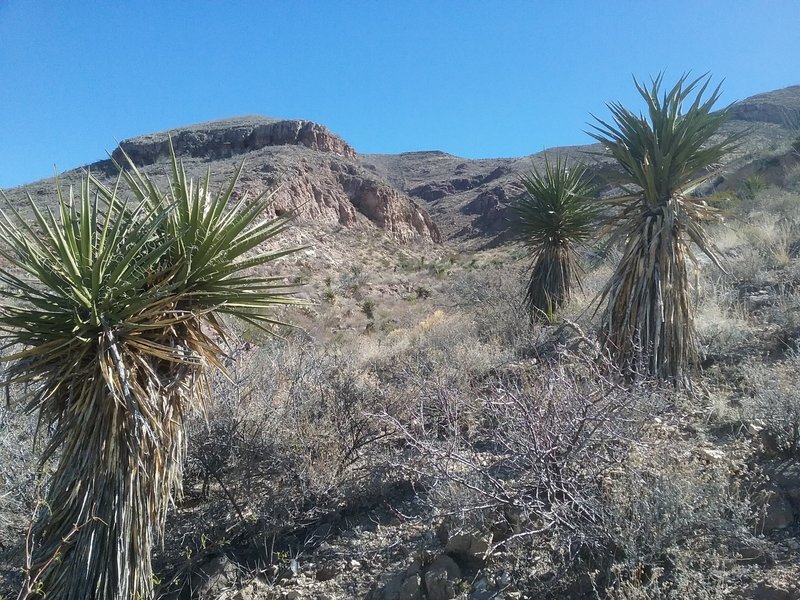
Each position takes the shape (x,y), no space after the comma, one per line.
(648,323)
(111,318)
(554,215)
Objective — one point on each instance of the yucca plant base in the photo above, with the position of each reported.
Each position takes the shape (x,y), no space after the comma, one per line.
(551,281)
(647,325)
(110,492)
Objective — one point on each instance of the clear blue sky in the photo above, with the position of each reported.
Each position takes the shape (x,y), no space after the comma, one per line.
(483,78)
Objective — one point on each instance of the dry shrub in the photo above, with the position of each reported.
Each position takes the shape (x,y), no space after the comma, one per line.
(676,515)
(770,398)
(287,431)
(494,300)
(530,458)
(576,477)
(18,491)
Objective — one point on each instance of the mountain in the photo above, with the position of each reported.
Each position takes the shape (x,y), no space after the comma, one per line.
(416,196)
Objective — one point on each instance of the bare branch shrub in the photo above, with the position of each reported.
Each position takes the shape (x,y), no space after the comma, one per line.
(495,300)
(286,433)
(562,464)
(770,398)
(18,498)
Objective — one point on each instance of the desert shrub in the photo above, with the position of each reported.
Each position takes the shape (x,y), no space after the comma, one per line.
(770,398)
(368,308)
(752,186)
(576,476)
(298,416)
(722,326)
(674,515)
(528,460)
(494,300)
(18,490)
(422,292)
(354,279)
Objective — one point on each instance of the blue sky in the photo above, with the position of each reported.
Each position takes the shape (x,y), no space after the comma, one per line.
(474,78)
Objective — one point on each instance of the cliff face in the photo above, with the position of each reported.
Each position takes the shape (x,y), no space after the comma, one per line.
(316,174)
(234,137)
(781,107)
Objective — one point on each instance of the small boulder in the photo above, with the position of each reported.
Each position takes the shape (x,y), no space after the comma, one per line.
(777,511)
(441,578)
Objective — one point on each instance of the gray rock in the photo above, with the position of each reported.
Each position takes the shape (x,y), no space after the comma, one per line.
(469,547)
(766,591)
(404,586)
(213,578)
(777,510)
(441,578)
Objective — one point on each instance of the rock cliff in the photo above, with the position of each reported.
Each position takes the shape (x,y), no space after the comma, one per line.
(232,137)
(316,174)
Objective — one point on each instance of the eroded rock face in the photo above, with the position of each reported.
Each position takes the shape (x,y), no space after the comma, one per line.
(781,107)
(316,174)
(338,191)
(232,137)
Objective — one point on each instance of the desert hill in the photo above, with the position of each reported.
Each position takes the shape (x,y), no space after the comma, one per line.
(427,195)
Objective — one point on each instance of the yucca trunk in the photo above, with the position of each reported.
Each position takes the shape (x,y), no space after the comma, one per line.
(551,280)
(121,444)
(648,324)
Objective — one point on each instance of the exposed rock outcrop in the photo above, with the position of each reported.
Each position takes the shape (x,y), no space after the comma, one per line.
(232,137)
(781,107)
(316,174)
(338,192)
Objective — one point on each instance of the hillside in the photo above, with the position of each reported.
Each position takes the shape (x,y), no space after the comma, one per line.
(414,196)
(417,437)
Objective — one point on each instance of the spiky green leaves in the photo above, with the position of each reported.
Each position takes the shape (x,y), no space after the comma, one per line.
(648,325)
(110,316)
(554,215)
(663,151)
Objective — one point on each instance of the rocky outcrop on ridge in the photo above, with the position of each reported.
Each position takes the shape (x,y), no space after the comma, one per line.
(232,137)
(327,189)
(781,107)
(315,174)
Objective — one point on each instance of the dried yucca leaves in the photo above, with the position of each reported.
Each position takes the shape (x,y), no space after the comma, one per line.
(648,323)
(110,319)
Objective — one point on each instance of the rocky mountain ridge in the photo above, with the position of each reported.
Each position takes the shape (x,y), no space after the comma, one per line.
(415,196)
(227,138)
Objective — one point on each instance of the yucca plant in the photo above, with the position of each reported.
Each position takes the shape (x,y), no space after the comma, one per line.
(648,324)
(554,215)
(111,317)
